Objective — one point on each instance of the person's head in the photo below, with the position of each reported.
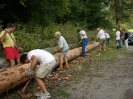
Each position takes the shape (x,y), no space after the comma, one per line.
(78,30)
(24,59)
(98,29)
(11,27)
(57,34)
(120,29)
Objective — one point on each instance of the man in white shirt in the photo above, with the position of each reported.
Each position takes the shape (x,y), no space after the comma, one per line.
(117,39)
(47,63)
(101,37)
(107,38)
(63,46)
(84,40)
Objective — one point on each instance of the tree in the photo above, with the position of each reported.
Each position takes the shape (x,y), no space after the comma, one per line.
(88,13)
(120,11)
(40,12)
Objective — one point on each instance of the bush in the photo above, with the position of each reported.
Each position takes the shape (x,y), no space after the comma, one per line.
(35,36)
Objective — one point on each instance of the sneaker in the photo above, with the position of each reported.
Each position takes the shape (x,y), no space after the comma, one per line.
(67,66)
(43,96)
(47,95)
(37,94)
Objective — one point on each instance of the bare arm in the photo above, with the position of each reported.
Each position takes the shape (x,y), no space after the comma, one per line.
(83,34)
(58,49)
(3,36)
(34,62)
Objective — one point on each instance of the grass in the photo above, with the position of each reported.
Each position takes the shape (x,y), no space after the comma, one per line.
(64,94)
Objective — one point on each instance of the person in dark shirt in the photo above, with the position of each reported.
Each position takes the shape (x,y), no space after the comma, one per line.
(126,39)
(121,37)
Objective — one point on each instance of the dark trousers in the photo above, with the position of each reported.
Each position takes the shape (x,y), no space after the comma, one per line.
(84,43)
(107,41)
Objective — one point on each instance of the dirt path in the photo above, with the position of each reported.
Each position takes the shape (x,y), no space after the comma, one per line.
(108,78)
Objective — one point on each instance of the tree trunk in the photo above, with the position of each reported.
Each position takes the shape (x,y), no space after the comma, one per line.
(15,76)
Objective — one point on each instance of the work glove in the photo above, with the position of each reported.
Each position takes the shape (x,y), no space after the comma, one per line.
(30,72)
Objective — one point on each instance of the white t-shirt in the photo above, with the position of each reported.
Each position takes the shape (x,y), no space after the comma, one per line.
(82,32)
(42,56)
(63,44)
(118,35)
(101,34)
(107,35)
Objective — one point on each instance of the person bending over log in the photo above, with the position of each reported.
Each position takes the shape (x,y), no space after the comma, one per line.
(63,46)
(101,38)
(84,40)
(47,63)
(10,48)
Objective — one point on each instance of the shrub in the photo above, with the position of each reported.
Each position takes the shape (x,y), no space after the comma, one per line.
(35,36)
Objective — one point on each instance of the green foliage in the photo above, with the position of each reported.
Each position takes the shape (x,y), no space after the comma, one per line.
(87,13)
(38,37)
(120,11)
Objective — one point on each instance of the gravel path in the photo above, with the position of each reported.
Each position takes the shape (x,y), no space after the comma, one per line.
(111,79)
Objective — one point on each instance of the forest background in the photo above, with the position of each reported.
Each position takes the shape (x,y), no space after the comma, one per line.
(38,20)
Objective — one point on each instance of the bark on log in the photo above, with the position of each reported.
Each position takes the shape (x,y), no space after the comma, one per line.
(15,76)
(5,63)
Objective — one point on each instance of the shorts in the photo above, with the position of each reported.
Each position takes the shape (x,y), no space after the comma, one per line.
(64,52)
(45,69)
(102,41)
(11,53)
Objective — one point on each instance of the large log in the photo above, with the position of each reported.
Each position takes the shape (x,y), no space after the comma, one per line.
(15,76)
(5,63)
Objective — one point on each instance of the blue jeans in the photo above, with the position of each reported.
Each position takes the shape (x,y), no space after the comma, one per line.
(118,41)
(107,41)
(121,43)
(84,43)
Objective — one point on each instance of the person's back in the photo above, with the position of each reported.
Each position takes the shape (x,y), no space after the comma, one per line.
(126,36)
(107,35)
(62,42)
(117,35)
(101,34)
(42,55)
(83,34)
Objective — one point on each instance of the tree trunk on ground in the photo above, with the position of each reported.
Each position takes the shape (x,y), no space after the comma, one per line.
(15,76)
